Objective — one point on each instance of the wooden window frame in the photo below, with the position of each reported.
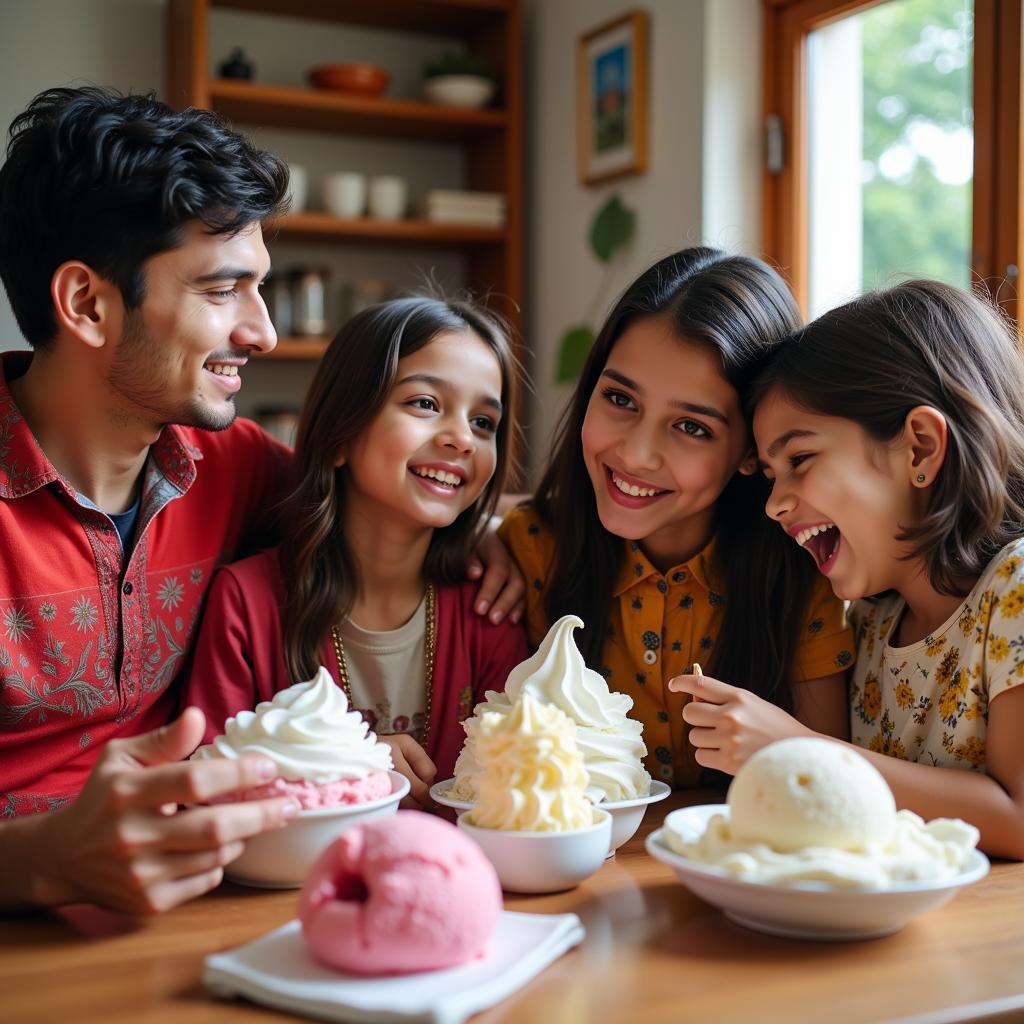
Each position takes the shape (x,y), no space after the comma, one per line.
(996,229)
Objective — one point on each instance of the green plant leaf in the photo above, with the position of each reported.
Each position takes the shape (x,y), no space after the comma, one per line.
(572,352)
(612,228)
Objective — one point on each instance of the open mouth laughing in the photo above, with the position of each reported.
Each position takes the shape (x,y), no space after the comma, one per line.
(821,540)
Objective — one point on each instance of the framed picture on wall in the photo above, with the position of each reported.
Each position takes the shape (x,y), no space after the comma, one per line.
(612,100)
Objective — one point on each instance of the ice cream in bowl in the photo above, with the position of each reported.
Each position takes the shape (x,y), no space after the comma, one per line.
(610,742)
(328,762)
(532,818)
(811,845)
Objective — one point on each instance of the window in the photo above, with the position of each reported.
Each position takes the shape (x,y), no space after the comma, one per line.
(896,136)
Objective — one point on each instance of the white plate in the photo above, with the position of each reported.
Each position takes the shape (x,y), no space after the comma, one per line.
(439,794)
(277,970)
(803,910)
(626,814)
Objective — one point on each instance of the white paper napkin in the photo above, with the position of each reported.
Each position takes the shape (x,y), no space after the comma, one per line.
(277,970)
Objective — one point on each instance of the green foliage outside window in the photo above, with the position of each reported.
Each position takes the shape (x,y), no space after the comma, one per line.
(917,78)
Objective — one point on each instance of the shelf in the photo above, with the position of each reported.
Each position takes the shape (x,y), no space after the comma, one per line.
(295,348)
(436,17)
(421,233)
(284,106)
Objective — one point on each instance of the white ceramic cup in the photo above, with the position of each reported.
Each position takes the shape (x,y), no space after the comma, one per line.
(298,182)
(345,194)
(389,195)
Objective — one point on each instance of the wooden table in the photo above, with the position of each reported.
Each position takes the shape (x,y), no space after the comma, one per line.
(652,953)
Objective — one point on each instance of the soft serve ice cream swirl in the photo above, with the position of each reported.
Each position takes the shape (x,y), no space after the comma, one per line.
(308,731)
(557,674)
(533,776)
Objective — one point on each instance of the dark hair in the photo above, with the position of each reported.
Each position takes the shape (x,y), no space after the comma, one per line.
(352,384)
(111,180)
(926,343)
(742,309)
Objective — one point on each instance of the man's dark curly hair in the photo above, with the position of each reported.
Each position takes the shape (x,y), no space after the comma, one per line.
(112,180)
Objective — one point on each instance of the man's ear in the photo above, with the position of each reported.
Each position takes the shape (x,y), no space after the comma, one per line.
(927,435)
(87,307)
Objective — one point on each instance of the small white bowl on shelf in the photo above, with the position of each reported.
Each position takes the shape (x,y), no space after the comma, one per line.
(803,910)
(281,859)
(626,815)
(470,92)
(540,862)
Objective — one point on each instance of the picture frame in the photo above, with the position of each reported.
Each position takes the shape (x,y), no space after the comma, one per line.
(612,99)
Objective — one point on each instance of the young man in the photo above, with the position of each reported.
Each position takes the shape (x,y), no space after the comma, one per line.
(132,251)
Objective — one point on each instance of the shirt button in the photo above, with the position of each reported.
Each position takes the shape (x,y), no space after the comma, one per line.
(665,771)
(127,588)
(678,577)
(650,657)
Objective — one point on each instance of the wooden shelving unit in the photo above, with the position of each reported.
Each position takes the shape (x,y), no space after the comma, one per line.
(490,139)
(413,233)
(296,348)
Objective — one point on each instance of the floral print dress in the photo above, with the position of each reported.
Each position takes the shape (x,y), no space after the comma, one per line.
(929,701)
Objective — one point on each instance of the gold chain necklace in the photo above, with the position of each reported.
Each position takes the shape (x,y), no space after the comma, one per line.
(429,647)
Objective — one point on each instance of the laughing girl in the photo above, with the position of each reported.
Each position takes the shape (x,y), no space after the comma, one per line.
(893,430)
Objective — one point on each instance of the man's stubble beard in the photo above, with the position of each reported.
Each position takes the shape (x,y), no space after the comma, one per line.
(135,377)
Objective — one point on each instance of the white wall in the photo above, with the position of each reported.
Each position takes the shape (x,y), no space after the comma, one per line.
(46,43)
(702,181)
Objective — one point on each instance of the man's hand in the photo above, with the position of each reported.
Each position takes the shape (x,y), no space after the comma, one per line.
(502,588)
(411,760)
(124,843)
(729,724)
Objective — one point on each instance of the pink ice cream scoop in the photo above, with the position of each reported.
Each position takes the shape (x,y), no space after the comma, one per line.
(400,894)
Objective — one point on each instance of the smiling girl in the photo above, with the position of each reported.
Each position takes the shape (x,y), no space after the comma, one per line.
(647,523)
(402,450)
(893,430)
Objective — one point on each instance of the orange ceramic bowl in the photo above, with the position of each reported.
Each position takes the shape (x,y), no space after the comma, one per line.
(364,79)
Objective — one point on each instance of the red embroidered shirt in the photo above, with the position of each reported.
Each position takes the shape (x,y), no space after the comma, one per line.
(239,658)
(91,646)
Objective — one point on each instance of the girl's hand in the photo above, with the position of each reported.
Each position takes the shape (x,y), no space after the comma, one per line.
(502,587)
(411,760)
(729,724)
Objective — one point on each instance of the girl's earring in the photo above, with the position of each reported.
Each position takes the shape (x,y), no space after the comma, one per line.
(920,478)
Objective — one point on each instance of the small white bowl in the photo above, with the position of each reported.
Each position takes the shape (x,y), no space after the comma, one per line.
(439,793)
(281,858)
(536,862)
(803,910)
(626,814)
(469,91)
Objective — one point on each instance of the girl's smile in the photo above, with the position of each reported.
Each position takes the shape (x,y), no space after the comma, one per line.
(431,449)
(842,496)
(662,436)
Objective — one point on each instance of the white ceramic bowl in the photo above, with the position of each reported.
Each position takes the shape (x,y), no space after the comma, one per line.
(471,91)
(804,910)
(543,861)
(280,859)
(626,814)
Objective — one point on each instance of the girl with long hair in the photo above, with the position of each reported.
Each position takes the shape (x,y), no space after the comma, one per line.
(893,431)
(402,451)
(647,523)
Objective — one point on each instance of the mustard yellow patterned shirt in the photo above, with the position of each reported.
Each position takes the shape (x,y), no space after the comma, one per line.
(661,623)
(929,701)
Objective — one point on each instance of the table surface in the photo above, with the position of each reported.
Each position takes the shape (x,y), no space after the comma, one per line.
(653,952)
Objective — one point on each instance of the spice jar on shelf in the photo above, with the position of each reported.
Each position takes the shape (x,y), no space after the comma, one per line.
(309,309)
(278,296)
